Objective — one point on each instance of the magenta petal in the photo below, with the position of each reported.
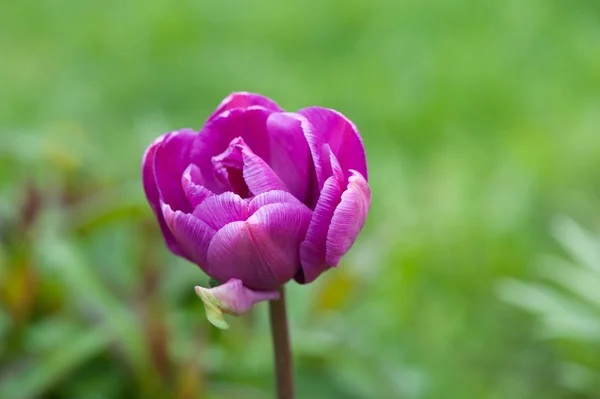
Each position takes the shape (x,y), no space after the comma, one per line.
(341,135)
(348,219)
(271,197)
(262,251)
(192,183)
(316,146)
(217,134)
(258,176)
(290,154)
(313,248)
(219,210)
(192,234)
(153,196)
(244,99)
(171,159)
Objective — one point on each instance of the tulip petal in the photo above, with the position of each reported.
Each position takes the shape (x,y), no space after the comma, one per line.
(171,159)
(217,134)
(244,99)
(258,176)
(153,196)
(290,155)
(219,210)
(231,298)
(263,250)
(228,170)
(192,183)
(271,197)
(313,248)
(192,234)
(348,219)
(341,135)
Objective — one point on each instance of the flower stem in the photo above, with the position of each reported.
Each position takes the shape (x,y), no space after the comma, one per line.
(281,347)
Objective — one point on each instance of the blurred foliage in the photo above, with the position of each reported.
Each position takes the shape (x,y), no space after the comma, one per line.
(481,124)
(567,304)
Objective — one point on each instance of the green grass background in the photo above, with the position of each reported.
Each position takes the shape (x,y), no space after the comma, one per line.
(481,121)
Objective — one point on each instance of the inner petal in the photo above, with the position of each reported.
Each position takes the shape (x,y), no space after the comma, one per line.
(242,171)
(228,168)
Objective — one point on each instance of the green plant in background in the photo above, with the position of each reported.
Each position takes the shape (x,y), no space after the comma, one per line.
(567,303)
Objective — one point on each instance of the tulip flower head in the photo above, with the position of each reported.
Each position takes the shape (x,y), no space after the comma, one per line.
(259,196)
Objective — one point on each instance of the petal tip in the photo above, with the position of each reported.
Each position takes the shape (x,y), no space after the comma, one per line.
(214,313)
(231,298)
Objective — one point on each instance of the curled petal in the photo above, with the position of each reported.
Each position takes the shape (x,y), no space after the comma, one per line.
(258,176)
(221,209)
(231,298)
(244,99)
(263,250)
(313,248)
(153,196)
(348,219)
(217,134)
(341,135)
(191,233)
(192,183)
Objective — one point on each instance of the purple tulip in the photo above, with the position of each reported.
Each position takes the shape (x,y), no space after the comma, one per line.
(259,194)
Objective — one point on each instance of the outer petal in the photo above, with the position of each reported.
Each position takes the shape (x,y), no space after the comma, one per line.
(348,219)
(290,155)
(262,251)
(258,176)
(244,99)
(232,298)
(313,248)
(271,197)
(341,135)
(152,194)
(192,234)
(171,159)
(215,136)
(219,210)
(193,187)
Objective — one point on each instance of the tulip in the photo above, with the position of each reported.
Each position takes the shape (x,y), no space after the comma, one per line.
(259,196)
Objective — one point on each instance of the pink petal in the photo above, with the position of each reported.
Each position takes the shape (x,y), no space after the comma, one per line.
(290,155)
(217,134)
(192,234)
(262,251)
(232,298)
(313,248)
(258,176)
(348,219)
(271,197)
(171,159)
(153,197)
(317,150)
(244,99)
(219,210)
(192,183)
(341,135)
(227,168)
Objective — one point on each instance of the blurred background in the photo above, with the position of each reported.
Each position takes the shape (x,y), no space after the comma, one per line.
(476,276)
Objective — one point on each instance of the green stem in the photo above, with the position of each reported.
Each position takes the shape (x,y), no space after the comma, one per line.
(281,346)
